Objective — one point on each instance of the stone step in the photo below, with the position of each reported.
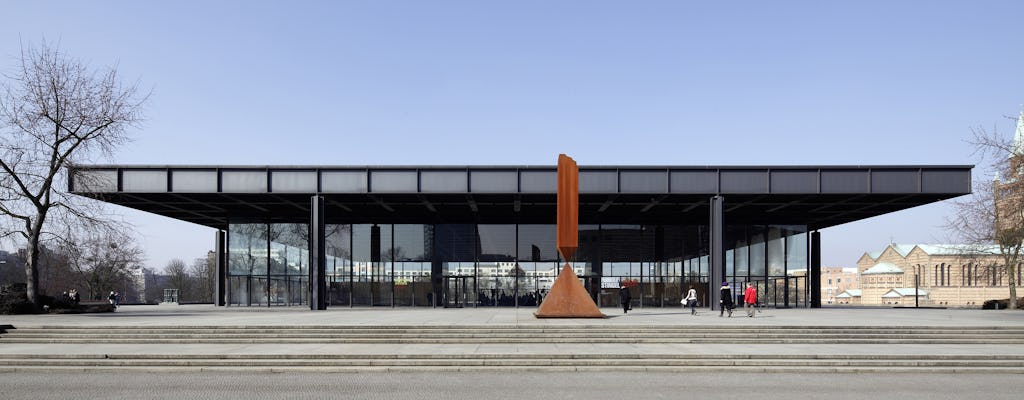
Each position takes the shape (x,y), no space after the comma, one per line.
(510,334)
(509,331)
(556,356)
(510,369)
(350,330)
(128,333)
(500,340)
(531,328)
(518,362)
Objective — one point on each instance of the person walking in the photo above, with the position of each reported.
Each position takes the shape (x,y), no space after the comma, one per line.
(726,299)
(691,300)
(624,297)
(750,299)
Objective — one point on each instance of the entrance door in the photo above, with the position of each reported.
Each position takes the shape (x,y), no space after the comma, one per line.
(456,291)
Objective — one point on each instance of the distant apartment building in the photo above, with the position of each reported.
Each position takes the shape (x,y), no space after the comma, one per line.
(835,281)
(932,275)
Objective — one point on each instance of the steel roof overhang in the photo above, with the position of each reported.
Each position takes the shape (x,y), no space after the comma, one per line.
(817,196)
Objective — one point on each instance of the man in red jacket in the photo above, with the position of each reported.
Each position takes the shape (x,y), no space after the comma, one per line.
(750,299)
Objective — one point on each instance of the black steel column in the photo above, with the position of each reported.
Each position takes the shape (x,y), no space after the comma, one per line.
(436,266)
(716,252)
(814,275)
(317,255)
(658,276)
(375,265)
(222,270)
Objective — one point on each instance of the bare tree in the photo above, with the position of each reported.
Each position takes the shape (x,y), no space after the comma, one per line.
(994,214)
(203,272)
(54,113)
(102,261)
(178,277)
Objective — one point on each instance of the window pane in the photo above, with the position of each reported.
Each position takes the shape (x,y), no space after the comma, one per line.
(413,242)
(621,243)
(757,250)
(538,243)
(339,263)
(497,243)
(247,249)
(775,252)
(289,249)
(455,242)
(796,251)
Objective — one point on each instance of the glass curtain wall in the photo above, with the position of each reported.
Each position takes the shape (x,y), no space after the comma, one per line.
(509,265)
(774,258)
(455,249)
(372,265)
(797,266)
(538,262)
(497,270)
(289,265)
(586,263)
(339,272)
(411,256)
(268,264)
(621,263)
(247,264)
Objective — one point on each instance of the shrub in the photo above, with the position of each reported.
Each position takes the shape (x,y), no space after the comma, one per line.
(14,300)
(1001,304)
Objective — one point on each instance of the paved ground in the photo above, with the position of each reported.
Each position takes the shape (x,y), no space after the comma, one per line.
(206,315)
(209,315)
(496,386)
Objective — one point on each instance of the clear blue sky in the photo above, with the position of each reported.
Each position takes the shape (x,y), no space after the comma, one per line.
(518,82)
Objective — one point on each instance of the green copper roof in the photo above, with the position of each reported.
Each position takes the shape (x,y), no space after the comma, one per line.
(883,268)
(903,292)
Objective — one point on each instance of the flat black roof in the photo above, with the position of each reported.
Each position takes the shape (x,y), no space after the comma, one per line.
(817,196)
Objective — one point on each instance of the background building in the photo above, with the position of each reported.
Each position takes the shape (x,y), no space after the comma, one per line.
(836,280)
(947,275)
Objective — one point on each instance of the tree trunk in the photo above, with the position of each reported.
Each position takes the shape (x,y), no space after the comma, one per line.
(32,270)
(1012,304)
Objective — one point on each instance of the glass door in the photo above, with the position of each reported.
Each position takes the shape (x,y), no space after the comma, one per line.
(456,291)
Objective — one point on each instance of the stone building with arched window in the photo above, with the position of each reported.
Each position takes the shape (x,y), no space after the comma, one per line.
(945,275)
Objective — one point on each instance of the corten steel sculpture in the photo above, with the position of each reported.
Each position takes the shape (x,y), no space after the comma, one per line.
(567,297)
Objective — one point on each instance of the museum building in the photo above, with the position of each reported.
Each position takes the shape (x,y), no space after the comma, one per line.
(484,236)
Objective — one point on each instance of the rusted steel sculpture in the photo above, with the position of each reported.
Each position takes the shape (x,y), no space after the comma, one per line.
(567,297)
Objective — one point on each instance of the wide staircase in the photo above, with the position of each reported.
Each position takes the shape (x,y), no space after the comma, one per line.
(464,348)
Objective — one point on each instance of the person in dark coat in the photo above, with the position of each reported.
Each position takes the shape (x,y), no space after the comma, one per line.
(624,298)
(726,300)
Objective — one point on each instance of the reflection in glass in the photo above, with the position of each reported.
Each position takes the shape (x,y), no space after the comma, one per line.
(247,249)
(538,243)
(796,250)
(621,243)
(775,250)
(338,245)
(757,256)
(504,265)
(247,257)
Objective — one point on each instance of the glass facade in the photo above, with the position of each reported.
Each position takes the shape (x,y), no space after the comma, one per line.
(268,264)
(509,265)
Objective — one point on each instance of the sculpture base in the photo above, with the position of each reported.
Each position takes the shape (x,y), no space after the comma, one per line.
(568,299)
